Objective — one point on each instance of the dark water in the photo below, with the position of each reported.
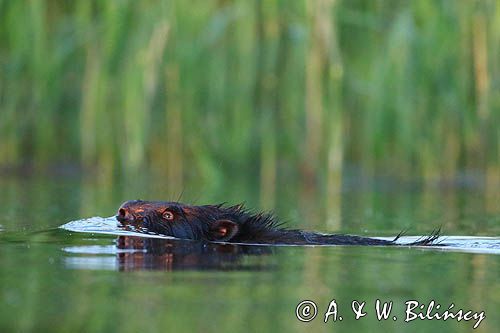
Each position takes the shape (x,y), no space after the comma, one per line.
(61,281)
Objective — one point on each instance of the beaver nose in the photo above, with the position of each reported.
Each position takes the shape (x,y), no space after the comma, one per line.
(122,215)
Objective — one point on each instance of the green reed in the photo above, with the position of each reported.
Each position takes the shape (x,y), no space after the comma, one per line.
(260,92)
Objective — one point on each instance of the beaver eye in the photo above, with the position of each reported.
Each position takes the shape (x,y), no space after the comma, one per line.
(168,215)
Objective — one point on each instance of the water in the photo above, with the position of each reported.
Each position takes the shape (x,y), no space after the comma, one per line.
(105,279)
(109,226)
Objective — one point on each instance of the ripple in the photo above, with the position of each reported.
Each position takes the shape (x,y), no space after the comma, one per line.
(469,244)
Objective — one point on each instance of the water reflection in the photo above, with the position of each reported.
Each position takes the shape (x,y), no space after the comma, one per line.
(138,253)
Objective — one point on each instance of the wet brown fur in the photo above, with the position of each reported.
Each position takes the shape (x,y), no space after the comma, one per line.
(234,224)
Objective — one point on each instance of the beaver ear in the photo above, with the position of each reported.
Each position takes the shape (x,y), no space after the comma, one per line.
(223,230)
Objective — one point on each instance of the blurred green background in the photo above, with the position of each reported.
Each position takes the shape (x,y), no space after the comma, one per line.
(357,116)
(265,94)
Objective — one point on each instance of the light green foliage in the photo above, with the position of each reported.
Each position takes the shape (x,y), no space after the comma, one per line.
(267,89)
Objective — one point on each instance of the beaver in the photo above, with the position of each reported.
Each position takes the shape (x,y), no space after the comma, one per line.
(233,224)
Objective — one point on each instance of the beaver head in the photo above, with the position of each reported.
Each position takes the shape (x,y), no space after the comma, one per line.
(209,222)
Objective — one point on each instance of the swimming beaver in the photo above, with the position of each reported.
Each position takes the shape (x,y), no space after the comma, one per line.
(234,224)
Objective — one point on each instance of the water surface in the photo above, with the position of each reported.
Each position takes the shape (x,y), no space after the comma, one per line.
(58,280)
